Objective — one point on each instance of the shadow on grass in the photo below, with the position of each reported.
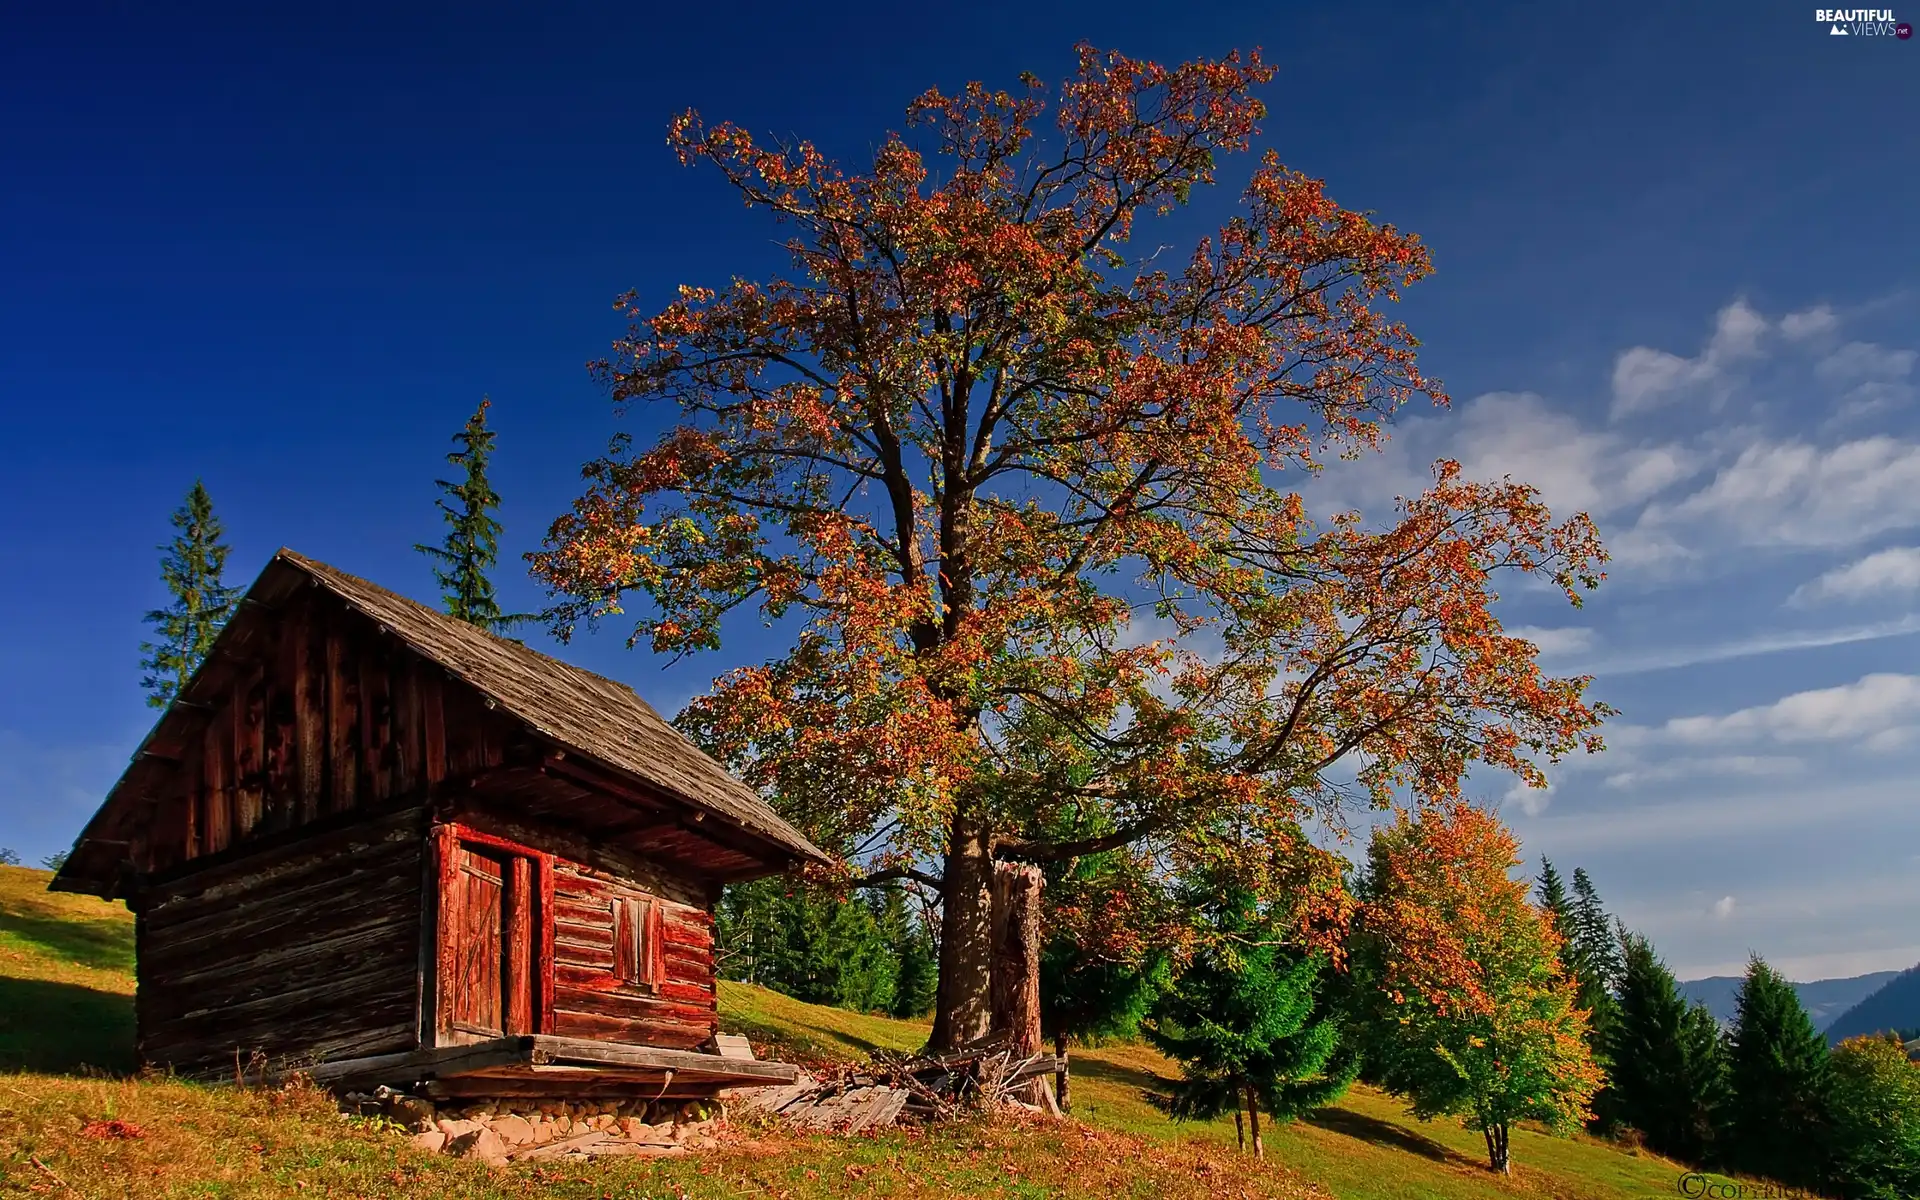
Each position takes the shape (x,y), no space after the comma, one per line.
(102,945)
(821,1043)
(62,1027)
(1381,1133)
(1116,1073)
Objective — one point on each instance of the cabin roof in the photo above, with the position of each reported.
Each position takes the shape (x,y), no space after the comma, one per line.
(588,714)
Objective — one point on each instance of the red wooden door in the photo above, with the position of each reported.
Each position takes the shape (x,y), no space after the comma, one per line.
(495,974)
(481,956)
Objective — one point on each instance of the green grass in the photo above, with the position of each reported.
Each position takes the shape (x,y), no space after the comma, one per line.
(66,1019)
(66,978)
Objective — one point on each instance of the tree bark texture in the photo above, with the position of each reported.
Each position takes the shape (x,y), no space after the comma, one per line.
(962,1008)
(1253,1119)
(1016,955)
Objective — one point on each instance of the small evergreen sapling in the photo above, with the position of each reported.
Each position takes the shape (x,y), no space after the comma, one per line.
(472,545)
(1101,968)
(1244,1020)
(193,567)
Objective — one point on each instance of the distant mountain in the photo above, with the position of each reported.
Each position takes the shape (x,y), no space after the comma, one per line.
(1824,999)
(1894,1006)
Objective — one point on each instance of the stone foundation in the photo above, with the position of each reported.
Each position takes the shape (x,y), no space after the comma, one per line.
(501,1131)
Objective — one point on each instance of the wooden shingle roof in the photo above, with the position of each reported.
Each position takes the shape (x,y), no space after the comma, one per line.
(589,714)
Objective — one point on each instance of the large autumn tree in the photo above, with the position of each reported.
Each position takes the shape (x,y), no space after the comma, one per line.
(1028,509)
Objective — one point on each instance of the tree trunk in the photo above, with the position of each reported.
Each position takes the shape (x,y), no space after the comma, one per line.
(1253,1120)
(962,1005)
(1016,955)
(1240,1128)
(1497,1156)
(1061,1076)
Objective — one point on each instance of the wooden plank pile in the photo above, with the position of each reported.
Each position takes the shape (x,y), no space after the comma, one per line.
(897,1087)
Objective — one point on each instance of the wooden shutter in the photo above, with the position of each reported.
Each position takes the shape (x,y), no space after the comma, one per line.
(655,957)
(637,952)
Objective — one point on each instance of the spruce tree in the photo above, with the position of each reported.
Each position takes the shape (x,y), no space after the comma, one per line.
(813,946)
(1779,1075)
(1245,1021)
(1552,896)
(1668,1077)
(472,545)
(916,972)
(1100,969)
(193,567)
(1590,956)
(1596,947)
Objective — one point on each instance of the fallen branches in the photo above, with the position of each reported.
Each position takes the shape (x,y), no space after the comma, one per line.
(851,1098)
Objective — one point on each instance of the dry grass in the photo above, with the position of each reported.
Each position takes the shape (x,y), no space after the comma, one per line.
(162,1139)
(66,1012)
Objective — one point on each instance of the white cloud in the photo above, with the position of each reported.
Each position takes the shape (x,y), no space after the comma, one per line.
(1713,821)
(1556,643)
(1531,800)
(1723,907)
(1865,360)
(1793,494)
(48,790)
(1645,378)
(1518,434)
(1808,323)
(1870,705)
(1753,766)
(1894,571)
(1672,657)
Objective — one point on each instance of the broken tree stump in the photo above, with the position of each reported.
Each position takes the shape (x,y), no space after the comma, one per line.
(1016,966)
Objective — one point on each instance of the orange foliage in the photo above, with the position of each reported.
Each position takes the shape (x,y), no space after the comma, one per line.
(1017,497)
(1480,1014)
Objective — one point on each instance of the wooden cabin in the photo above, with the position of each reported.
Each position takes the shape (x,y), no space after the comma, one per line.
(377,843)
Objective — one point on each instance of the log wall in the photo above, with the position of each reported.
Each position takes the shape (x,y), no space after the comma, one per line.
(590,884)
(309,951)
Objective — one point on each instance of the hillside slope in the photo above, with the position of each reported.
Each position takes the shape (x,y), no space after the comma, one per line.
(1824,999)
(65,1001)
(1894,1006)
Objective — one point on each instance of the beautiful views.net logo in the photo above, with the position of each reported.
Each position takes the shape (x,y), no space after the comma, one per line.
(1862,22)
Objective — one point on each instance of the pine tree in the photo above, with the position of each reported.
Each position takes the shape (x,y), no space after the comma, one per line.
(813,946)
(1244,1020)
(1591,955)
(916,972)
(193,568)
(1597,948)
(472,545)
(1552,895)
(1100,970)
(1780,1076)
(1668,1077)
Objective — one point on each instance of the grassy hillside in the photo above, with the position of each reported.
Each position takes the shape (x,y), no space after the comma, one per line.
(65,1014)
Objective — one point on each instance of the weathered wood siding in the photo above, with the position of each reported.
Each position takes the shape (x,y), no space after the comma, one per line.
(314,714)
(311,950)
(590,998)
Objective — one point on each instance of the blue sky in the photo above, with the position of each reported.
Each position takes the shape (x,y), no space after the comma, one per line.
(287,249)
